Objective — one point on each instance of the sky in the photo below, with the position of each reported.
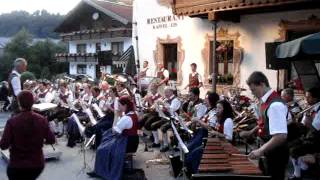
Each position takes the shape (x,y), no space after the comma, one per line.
(52,6)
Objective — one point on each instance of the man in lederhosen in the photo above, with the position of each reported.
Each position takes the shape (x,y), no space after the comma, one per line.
(15,85)
(195,80)
(272,126)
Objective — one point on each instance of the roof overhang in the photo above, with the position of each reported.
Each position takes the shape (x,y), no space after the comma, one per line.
(232,9)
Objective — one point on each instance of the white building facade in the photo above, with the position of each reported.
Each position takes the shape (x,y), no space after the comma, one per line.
(192,38)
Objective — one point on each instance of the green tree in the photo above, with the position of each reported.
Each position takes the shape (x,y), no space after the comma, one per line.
(40,56)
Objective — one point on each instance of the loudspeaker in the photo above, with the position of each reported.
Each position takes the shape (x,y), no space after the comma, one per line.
(176,165)
(272,62)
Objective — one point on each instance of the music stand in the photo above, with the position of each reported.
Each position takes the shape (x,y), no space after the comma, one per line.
(183,150)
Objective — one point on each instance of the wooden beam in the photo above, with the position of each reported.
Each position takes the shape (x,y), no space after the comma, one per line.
(212,16)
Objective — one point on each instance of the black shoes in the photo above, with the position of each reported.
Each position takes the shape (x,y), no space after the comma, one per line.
(92,174)
(154,145)
(294,178)
(164,149)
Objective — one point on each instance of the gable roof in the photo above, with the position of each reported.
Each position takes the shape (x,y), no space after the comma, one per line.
(119,12)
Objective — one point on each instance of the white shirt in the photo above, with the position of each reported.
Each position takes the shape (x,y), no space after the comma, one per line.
(125,122)
(212,118)
(165,73)
(277,114)
(174,106)
(201,110)
(228,129)
(48,98)
(16,83)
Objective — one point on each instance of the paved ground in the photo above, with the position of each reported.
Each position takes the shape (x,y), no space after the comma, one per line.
(71,164)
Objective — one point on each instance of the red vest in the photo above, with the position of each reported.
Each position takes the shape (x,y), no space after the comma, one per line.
(220,127)
(161,75)
(193,80)
(135,126)
(263,121)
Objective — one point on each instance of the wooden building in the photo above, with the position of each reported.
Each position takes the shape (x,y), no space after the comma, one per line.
(97,33)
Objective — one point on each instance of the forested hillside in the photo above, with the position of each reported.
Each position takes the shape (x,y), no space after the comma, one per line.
(40,24)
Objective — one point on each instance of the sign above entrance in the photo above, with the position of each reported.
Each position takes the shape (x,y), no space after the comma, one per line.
(164,22)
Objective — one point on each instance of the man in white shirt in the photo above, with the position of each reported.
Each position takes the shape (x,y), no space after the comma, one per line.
(170,107)
(163,74)
(145,71)
(15,85)
(272,126)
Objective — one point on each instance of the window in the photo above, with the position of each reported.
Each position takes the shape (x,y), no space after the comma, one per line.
(98,47)
(81,48)
(117,48)
(224,57)
(81,69)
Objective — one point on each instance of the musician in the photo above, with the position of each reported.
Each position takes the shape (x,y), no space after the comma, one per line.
(122,89)
(163,74)
(44,95)
(64,99)
(116,143)
(171,105)
(24,136)
(310,143)
(196,108)
(15,85)
(111,106)
(104,87)
(4,94)
(145,72)
(87,95)
(224,125)
(312,98)
(209,121)
(150,114)
(195,79)
(288,96)
(272,126)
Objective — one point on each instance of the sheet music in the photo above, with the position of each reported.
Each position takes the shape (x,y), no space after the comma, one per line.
(92,119)
(181,143)
(99,111)
(43,106)
(80,126)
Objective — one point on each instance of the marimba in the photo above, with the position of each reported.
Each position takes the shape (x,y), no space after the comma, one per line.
(221,160)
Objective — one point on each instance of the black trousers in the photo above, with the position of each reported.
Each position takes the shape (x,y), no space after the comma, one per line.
(277,161)
(23,173)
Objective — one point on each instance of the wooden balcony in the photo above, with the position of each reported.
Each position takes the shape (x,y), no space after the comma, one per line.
(232,9)
(77,57)
(96,34)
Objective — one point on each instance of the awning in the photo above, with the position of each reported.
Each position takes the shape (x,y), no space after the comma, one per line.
(305,46)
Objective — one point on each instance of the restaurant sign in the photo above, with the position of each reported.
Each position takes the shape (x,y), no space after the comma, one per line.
(164,22)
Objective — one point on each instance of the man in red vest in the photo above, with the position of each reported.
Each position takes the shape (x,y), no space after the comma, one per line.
(272,126)
(195,80)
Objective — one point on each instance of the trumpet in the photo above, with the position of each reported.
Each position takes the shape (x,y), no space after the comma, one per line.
(307,109)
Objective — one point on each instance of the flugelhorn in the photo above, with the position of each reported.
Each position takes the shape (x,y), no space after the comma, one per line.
(307,109)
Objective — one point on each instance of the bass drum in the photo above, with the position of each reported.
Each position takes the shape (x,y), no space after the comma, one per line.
(160,88)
